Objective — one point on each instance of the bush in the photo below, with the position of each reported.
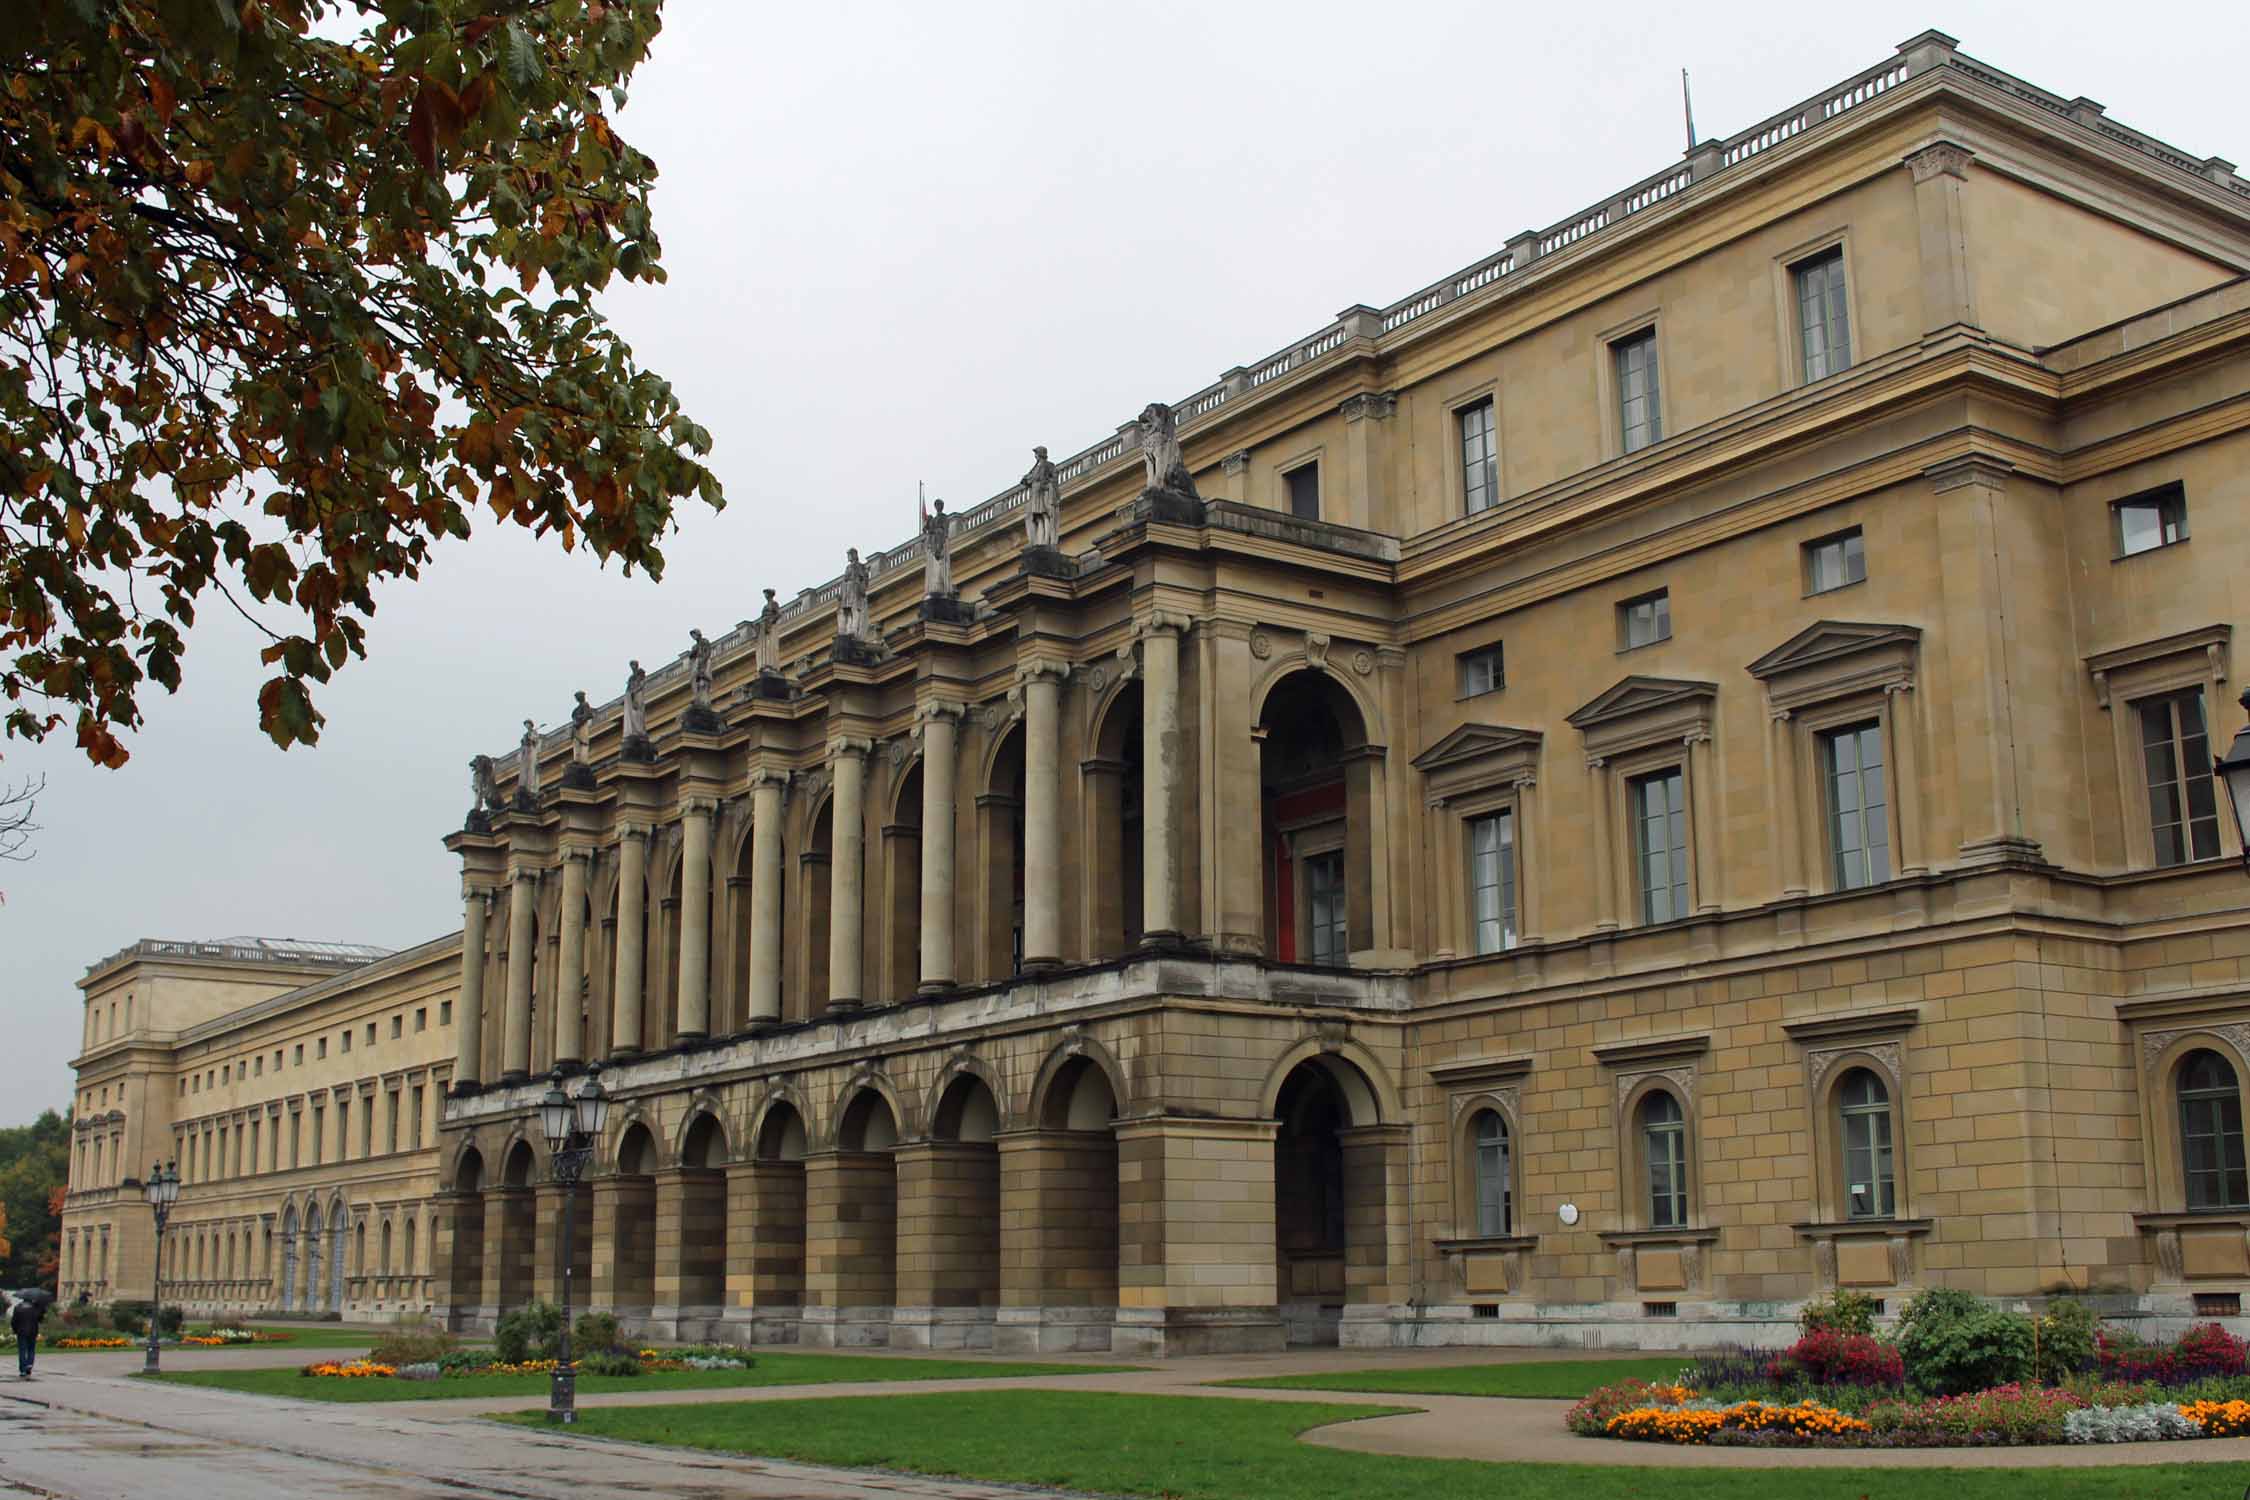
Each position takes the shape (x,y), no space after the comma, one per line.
(596,1333)
(609,1362)
(92,1315)
(2004,1415)
(131,1316)
(1829,1357)
(1590,1417)
(2066,1338)
(2129,1424)
(1841,1312)
(2205,1353)
(1953,1343)
(529,1332)
(414,1344)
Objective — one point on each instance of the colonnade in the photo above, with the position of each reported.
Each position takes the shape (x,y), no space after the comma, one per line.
(939,724)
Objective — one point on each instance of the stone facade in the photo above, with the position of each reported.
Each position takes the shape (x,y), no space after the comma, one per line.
(1665,816)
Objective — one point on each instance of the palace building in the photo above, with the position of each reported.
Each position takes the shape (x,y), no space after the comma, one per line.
(1660,775)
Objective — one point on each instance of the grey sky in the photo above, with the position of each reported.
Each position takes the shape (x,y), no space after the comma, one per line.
(907,242)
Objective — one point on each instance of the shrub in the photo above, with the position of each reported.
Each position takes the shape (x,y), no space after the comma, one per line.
(428,1371)
(2205,1353)
(127,1321)
(1730,1369)
(1591,1416)
(136,1312)
(423,1344)
(1828,1356)
(609,1362)
(2219,1419)
(1840,1312)
(2129,1424)
(1953,1343)
(2006,1414)
(528,1332)
(596,1333)
(2066,1338)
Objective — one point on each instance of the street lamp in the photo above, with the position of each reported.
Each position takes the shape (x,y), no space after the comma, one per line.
(572,1125)
(161,1190)
(2233,771)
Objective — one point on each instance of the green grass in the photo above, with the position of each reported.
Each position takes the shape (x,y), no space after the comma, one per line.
(1205,1448)
(1557,1379)
(770,1369)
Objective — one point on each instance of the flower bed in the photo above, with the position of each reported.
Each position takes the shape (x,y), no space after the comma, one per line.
(119,1342)
(353,1369)
(467,1362)
(219,1338)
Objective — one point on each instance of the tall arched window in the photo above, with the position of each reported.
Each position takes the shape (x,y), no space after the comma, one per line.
(1870,1176)
(2211,1156)
(1495,1204)
(1664,1149)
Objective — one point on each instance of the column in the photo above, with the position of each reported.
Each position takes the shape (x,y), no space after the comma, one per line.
(515,1044)
(1042,815)
(847,874)
(1906,776)
(1196,1263)
(1704,813)
(570,976)
(940,725)
(1987,803)
(1941,171)
(695,920)
(948,1245)
(1377,1256)
(765,897)
(1058,1240)
(1788,831)
(1604,793)
(468,1025)
(1160,778)
(632,932)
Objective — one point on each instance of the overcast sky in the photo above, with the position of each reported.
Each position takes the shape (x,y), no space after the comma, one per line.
(907,242)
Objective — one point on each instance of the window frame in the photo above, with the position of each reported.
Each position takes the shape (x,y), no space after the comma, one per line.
(1509,883)
(1625,608)
(1478,1143)
(2184,780)
(1496,651)
(1832,815)
(2125,676)
(1489,404)
(1808,550)
(1288,480)
(2173,492)
(1476,770)
(1839,298)
(2180,1102)
(1620,348)
(1680,1129)
(1882,1156)
(1680,857)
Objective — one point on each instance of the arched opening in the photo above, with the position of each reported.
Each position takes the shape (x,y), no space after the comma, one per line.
(666,1020)
(1000,858)
(1114,786)
(630,1230)
(408,1265)
(851,1237)
(1864,1128)
(512,1232)
(812,958)
(2211,1143)
(703,1225)
(1308,1190)
(949,1221)
(1066,1267)
(739,877)
(902,888)
(775,1185)
(1317,777)
(385,1265)
(465,1261)
(337,1223)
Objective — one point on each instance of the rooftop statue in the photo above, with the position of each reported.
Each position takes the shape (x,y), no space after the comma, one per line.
(484,785)
(1166,467)
(699,666)
(582,731)
(851,599)
(766,641)
(1042,511)
(937,553)
(636,703)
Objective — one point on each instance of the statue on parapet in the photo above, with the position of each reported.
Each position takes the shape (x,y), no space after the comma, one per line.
(636,741)
(580,772)
(700,717)
(527,765)
(1165,466)
(851,600)
(484,789)
(1042,509)
(766,642)
(937,553)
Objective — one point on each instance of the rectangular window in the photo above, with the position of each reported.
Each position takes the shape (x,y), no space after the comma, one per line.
(255,1132)
(367,1130)
(445,1013)
(320,1049)
(1304,491)
(346,1039)
(1823,325)
(396,1026)
(390,1134)
(371,1033)
(1481,671)
(1644,621)
(2183,813)
(1492,880)
(1660,845)
(1835,561)
(1859,837)
(1480,457)
(320,1121)
(2142,523)
(422,1019)
(414,1128)
(1639,420)
(258,1066)
(1324,906)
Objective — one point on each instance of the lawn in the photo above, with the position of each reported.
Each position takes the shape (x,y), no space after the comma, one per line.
(770,1369)
(1201,1448)
(1555,1379)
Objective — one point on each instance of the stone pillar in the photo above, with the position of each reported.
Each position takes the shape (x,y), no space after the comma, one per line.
(766,1247)
(1233,850)
(1377,1251)
(940,725)
(765,897)
(1941,172)
(1058,1241)
(1603,790)
(1704,817)
(948,1245)
(546,1262)
(1979,627)
(1160,778)
(468,1057)
(695,920)
(523,899)
(1042,816)
(1906,777)
(624,1237)
(509,1246)
(1196,1252)
(632,935)
(847,875)
(1788,824)
(570,969)
(670,1245)
(851,1249)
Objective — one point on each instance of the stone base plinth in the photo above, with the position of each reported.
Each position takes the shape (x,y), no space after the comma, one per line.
(1053,1330)
(845,1328)
(942,1328)
(1160,1332)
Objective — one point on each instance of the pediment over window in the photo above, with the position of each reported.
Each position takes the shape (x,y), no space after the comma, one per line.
(1830,658)
(1478,757)
(1643,710)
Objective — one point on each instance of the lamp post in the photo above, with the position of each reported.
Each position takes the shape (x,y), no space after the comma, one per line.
(161,1190)
(2233,771)
(572,1125)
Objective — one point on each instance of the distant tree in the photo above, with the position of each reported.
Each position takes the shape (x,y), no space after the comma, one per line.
(288,288)
(34,1174)
(7,1251)
(17,803)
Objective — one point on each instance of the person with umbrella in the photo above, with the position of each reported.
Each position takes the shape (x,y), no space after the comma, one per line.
(25,1312)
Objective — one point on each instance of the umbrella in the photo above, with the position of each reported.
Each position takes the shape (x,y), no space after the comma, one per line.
(37,1296)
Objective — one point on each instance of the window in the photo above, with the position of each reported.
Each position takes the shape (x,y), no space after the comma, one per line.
(422,1019)
(2211,1153)
(1494,1207)
(445,1013)
(367,1129)
(1481,671)
(1644,621)
(1823,325)
(2143,523)
(414,1129)
(1324,905)
(258,1066)
(1870,1182)
(396,1024)
(2183,814)
(1492,880)
(298,1059)
(1304,491)
(1859,838)
(371,1033)
(277,1059)
(345,1040)
(1835,561)
(1664,1150)
(320,1049)
(1639,423)
(390,1134)
(1660,845)
(1480,457)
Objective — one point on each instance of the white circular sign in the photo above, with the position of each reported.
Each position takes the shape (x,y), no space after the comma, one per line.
(1568,1213)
